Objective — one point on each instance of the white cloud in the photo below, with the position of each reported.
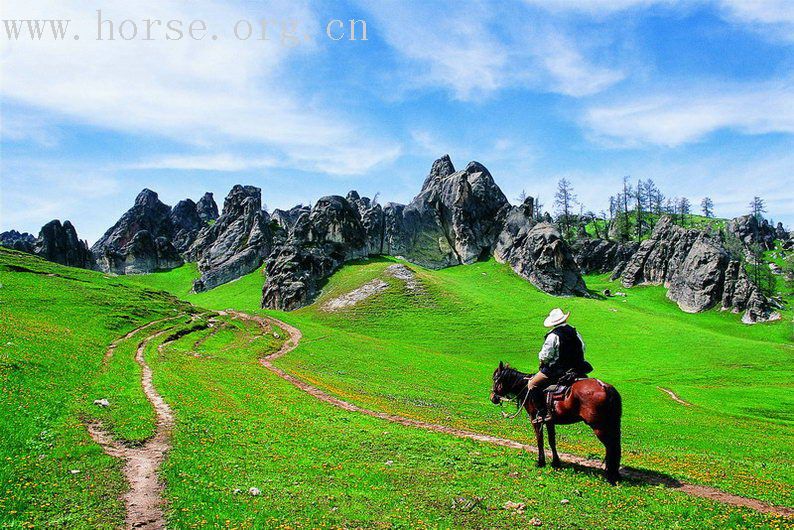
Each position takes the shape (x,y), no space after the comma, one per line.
(200,93)
(476,49)
(688,115)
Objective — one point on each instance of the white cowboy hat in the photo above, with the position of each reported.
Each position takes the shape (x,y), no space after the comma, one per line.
(556,317)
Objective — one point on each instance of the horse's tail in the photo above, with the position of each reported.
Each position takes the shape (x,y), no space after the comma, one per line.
(613,451)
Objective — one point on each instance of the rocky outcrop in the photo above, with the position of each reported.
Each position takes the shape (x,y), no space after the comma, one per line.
(185,224)
(59,243)
(780,232)
(141,255)
(21,241)
(319,242)
(751,232)
(602,255)
(140,241)
(206,208)
(286,219)
(698,271)
(455,219)
(236,243)
(537,252)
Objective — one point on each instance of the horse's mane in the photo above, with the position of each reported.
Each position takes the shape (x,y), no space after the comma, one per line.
(512,378)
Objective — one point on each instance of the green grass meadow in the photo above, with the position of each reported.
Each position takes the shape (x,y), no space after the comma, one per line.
(425,354)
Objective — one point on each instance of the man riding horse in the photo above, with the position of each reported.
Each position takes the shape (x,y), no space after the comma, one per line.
(562,352)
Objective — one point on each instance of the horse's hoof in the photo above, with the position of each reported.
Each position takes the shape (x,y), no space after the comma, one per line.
(541,463)
(556,464)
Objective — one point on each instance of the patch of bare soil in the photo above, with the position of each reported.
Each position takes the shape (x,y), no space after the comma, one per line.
(371,288)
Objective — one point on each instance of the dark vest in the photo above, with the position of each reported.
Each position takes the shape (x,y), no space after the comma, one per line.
(571,351)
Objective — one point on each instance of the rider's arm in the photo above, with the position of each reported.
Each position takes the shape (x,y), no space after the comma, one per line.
(550,351)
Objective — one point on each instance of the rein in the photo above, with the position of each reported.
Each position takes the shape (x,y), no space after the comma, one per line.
(518,411)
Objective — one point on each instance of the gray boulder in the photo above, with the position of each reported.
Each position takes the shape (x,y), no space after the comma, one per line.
(59,243)
(236,243)
(21,241)
(537,253)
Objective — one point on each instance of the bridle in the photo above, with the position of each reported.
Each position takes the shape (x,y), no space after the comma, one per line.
(519,407)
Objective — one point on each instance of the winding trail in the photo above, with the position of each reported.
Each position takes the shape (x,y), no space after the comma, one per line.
(144,501)
(648,477)
(674,396)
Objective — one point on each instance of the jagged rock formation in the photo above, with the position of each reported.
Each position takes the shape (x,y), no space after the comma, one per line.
(206,208)
(318,244)
(236,243)
(457,218)
(286,219)
(750,232)
(780,232)
(537,252)
(140,241)
(59,243)
(699,272)
(185,224)
(602,255)
(21,241)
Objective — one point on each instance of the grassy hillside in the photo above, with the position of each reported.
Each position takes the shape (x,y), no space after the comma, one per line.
(430,356)
(240,426)
(56,325)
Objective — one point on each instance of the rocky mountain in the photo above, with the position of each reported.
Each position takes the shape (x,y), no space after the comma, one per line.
(286,219)
(236,243)
(698,271)
(21,241)
(59,243)
(458,217)
(537,253)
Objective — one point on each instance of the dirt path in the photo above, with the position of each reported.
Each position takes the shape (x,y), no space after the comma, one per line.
(644,476)
(115,344)
(144,501)
(674,396)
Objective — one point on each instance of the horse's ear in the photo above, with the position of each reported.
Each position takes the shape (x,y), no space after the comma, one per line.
(501,365)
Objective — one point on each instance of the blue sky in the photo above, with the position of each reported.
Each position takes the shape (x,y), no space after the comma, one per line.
(698,95)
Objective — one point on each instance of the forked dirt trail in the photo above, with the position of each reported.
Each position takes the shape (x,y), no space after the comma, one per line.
(644,476)
(144,501)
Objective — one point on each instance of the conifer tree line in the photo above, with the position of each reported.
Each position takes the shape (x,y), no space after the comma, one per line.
(632,212)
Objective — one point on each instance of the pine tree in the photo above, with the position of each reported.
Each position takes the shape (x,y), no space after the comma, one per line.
(757,207)
(707,207)
(564,200)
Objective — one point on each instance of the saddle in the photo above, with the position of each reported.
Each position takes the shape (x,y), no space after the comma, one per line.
(560,390)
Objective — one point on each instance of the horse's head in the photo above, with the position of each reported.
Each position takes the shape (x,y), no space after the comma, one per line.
(498,391)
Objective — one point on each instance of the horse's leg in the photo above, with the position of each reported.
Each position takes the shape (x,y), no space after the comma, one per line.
(555,458)
(610,437)
(539,436)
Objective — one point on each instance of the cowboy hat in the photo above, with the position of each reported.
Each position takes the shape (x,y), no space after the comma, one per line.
(556,317)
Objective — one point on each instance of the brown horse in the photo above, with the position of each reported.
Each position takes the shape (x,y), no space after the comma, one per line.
(589,400)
